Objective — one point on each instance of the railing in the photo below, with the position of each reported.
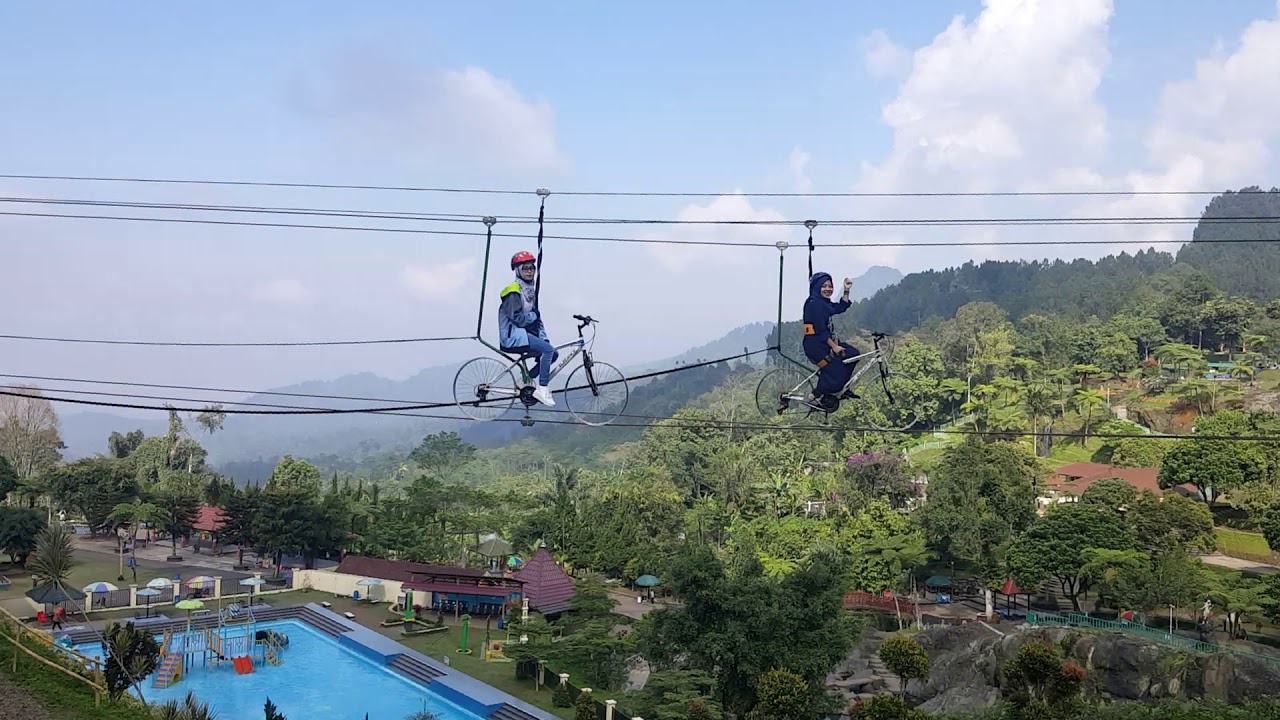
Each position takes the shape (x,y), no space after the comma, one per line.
(65,660)
(877,602)
(1137,629)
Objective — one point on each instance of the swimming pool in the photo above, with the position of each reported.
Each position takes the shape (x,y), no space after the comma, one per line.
(319,679)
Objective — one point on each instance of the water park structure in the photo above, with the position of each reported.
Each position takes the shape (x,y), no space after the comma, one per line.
(181,649)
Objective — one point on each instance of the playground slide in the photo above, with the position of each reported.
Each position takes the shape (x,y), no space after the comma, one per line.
(243,664)
(170,670)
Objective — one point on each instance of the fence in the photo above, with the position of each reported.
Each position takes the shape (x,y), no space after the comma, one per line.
(1091,623)
(68,662)
(872,601)
(544,676)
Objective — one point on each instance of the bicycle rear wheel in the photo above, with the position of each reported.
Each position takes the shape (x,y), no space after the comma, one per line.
(781,394)
(485,388)
(596,394)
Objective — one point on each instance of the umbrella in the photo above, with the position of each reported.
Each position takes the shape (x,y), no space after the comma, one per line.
(52,593)
(100,587)
(148,593)
(368,582)
(200,580)
(252,582)
(189,605)
(646,581)
(514,561)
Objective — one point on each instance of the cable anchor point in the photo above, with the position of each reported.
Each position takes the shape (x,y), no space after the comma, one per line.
(782,245)
(489,220)
(543,193)
(811,224)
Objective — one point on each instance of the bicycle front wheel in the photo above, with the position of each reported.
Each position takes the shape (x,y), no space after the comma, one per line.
(597,394)
(484,388)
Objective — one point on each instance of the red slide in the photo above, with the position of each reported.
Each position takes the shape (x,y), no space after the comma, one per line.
(243,664)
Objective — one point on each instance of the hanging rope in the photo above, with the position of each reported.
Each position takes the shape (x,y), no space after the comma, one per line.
(542,211)
(811,224)
(489,222)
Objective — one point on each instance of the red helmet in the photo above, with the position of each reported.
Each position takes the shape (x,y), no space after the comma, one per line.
(522,257)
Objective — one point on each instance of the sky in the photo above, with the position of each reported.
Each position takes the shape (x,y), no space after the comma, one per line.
(711,97)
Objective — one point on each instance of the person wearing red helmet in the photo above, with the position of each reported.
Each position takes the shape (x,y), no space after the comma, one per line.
(520,328)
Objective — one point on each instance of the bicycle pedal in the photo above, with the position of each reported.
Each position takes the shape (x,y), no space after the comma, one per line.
(850,395)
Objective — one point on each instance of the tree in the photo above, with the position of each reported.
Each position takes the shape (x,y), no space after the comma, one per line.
(131,655)
(121,446)
(239,520)
(8,478)
(93,487)
(887,707)
(584,708)
(443,454)
(132,515)
(54,555)
(1170,524)
(781,695)
(190,708)
(1213,466)
(211,418)
(180,506)
(20,529)
(1111,493)
(906,658)
(1055,544)
(290,474)
(271,712)
(29,437)
(1038,683)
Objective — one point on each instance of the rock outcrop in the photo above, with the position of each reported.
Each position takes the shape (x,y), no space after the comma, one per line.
(967,667)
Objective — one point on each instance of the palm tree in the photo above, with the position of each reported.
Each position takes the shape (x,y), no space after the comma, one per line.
(1087,401)
(953,390)
(54,556)
(132,515)
(189,709)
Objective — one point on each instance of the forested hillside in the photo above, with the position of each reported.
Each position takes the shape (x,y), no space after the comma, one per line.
(1246,257)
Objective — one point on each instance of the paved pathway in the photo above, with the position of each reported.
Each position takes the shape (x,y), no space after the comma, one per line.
(1238,564)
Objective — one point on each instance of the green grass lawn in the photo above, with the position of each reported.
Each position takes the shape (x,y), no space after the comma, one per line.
(63,696)
(89,568)
(1241,541)
(1070,450)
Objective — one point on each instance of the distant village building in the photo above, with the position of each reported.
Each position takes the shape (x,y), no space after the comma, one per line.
(1068,483)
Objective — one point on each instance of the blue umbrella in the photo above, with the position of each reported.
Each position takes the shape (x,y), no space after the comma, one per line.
(646,581)
(100,587)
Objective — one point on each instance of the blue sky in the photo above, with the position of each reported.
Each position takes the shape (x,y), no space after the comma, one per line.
(708,96)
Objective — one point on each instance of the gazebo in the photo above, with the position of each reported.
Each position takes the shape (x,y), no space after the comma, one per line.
(495,551)
(546,584)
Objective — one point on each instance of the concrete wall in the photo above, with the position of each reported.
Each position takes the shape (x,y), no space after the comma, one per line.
(343,584)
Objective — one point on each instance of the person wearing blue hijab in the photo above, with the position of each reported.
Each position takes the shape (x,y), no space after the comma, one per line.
(820,343)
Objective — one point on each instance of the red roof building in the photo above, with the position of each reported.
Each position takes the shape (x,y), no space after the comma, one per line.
(1070,481)
(209,519)
(547,585)
(448,588)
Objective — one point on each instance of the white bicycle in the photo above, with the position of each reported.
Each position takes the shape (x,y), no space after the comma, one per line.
(596,393)
(782,393)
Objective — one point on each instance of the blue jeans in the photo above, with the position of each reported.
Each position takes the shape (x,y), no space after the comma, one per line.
(546,358)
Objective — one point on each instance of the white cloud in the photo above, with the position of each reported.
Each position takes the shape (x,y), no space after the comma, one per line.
(678,258)
(284,291)
(1005,98)
(883,57)
(797,161)
(438,113)
(437,282)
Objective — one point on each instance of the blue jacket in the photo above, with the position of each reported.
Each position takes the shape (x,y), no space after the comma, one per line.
(818,314)
(514,324)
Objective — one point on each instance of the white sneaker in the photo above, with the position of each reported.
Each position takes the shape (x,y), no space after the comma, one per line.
(543,395)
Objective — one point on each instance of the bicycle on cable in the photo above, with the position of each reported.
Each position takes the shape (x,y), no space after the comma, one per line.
(596,393)
(789,392)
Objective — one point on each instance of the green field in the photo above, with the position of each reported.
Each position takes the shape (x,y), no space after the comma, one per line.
(1241,541)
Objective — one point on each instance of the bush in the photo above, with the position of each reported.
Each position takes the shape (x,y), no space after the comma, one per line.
(584,708)
(560,697)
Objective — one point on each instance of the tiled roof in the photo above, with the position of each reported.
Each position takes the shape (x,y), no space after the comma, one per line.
(209,518)
(1077,479)
(400,570)
(547,585)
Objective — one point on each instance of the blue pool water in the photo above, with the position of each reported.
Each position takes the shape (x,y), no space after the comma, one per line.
(318,680)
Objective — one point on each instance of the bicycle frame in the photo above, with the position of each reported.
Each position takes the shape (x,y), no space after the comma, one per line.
(877,353)
(579,348)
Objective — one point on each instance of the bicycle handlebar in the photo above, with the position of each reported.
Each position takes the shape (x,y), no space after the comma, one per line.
(584,319)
